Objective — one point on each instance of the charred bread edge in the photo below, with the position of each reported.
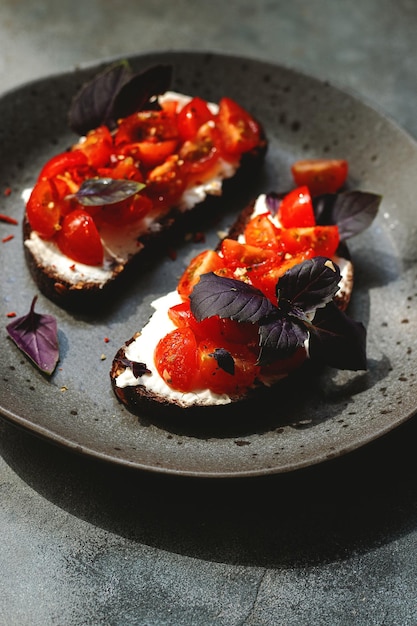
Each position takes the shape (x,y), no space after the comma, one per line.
(140,400)
(89,296)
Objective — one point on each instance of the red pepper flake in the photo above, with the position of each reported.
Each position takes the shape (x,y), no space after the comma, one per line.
(106,340)
(199,237)
(7,191)
(72,267)
(7,238)
(11,314)
(8,219)
(172,253)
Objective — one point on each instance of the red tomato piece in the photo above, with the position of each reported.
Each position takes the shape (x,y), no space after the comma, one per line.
(320,175)
(192,116)
(46,206)
(240,132)
(261,232)
(176,360)
(79,238)
(218,380)
(214,327)
(150,126)
(296,209)
(201,153)
(150,153)
(238,254)
(266,279)
(124,167)
(323,240)
(166,183)
(202,263)
(64,162)
(124,212)
(97,146)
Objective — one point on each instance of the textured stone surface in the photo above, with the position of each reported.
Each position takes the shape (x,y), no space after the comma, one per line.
(88,543)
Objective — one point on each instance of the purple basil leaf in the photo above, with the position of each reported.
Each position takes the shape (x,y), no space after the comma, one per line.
(229,298)
(308,285)
(273,201)
(224,360)
(138,368)
(92,106)
(279,339)
(136,93)
(37,336)
(352,211)
(102,191)
(337,340)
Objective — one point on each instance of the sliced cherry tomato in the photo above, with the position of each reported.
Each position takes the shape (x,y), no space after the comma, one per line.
(150,153)
(296,209)
(202,263)
(181,315)
(79,238)
(97,146)
(64,162)
(176,359)
(46,206)
(192,116)
(238,254)
(266,279)
(201,154)
(323,240)
(214,327)
(218,380)
(165,184)
(260,231)
(123,167)
(150,125)
(240,132)
(125,212)
(320,175)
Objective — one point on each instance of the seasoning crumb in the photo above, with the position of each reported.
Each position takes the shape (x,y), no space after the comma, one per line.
(7,238)
(7,191)
(103,357)
(11,314)
(64,388)
(106,340)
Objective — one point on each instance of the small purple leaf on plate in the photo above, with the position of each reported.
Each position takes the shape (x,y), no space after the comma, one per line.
(37,336)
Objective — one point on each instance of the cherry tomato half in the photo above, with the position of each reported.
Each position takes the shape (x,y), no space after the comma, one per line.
(296,209)
(79,238)
(192,116)
(46,206)
(176,359)
(240,132)
(204,262)
(217,379)
(97,146)
(320,175)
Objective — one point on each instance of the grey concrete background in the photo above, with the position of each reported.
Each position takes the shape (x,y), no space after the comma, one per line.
(86,543)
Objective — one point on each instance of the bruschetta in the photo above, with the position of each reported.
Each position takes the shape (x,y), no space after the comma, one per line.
(147,157)
(270,297)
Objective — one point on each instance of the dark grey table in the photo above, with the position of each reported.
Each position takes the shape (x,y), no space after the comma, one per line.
(83,542)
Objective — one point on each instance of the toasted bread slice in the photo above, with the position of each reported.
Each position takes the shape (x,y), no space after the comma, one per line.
(138,385)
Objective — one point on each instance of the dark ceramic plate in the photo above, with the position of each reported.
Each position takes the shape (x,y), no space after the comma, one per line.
(314,418)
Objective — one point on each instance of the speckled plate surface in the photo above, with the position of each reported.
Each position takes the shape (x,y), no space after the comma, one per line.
(316,417)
